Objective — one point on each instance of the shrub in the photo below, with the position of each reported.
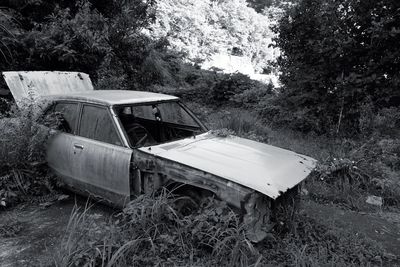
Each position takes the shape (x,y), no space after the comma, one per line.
(254,97)
(22,154)
(229,85)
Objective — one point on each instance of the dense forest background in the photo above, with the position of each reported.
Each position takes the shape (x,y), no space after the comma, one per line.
(338,61)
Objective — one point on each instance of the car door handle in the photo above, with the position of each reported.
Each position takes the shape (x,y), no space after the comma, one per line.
(78,146)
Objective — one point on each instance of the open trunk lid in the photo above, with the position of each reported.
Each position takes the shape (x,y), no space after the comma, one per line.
(34,84)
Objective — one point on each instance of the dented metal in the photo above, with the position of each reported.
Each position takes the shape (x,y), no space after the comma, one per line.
(224,189)
(267,169)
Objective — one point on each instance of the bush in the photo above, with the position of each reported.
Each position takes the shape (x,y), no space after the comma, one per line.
(254,97)
(229,85)
(22,154)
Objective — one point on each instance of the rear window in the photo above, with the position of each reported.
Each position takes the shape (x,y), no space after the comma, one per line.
(96,124)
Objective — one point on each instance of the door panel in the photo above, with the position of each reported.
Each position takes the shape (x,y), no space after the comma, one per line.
(59,155)
(102,169)
(101,163)
(59,151)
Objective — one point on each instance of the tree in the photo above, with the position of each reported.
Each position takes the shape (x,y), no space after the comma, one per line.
(338,56)
(201,29)
(105,39)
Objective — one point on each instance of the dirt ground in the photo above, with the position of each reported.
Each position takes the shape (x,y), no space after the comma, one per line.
(380,226)
(39,231)
(39,228)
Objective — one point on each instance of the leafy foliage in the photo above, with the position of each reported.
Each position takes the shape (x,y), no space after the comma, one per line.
(336,57)
(6,36)
(107,43)
(201,29)
(22,155)
(230,85)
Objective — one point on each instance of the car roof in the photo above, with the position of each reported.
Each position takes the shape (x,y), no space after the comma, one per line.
(114,97)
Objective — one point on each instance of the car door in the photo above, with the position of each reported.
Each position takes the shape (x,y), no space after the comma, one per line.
(59,150)
(101,161)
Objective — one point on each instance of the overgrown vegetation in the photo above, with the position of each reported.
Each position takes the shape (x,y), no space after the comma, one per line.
(159,230)
(23,171)
(155,230)
(201,29)
(339,103)
(348,170)
(102,39)
(339,60)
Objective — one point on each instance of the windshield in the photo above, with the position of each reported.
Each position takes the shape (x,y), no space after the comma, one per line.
(157,123)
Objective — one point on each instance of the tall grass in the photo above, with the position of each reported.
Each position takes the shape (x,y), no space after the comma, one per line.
(242,123)
(152,230)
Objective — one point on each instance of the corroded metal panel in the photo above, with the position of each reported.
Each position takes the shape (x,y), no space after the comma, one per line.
(232,193)
(34,84)
(103,166)
(267,169)
(59,154)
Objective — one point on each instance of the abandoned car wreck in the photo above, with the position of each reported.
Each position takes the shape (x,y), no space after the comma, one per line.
(118,144)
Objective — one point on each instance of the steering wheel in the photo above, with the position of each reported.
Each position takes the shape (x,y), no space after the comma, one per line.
(138,135)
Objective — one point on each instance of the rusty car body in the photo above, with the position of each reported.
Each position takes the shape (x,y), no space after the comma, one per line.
(119,144)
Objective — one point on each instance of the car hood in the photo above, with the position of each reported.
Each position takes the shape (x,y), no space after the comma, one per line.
(264,168)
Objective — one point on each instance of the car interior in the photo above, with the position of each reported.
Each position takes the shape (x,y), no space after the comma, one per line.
(154,124)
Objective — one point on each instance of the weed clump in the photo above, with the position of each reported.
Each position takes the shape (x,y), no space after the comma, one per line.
(22,154)
(154,230)
(369,168)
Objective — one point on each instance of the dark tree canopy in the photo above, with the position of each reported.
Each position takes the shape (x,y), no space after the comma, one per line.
(339,57)
(102,38)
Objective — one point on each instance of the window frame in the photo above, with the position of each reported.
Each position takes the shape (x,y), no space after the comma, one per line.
(78,111)
(182,105)
(107,108)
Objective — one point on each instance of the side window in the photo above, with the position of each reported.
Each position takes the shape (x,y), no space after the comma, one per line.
(68,116)
(96,124)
